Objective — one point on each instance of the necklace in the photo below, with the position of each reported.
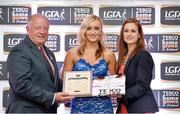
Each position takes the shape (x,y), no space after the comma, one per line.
(125,58)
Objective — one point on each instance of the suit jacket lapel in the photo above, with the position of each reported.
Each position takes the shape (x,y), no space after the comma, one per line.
(37,52)
(128,62)
(52,59)
(126,66)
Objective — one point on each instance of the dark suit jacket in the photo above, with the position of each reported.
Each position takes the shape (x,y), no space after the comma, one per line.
(31,85)
(139,97)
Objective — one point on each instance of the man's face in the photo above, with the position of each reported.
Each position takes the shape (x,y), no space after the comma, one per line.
(37,30)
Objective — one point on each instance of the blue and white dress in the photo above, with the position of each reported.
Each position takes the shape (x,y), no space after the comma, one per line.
(92,104)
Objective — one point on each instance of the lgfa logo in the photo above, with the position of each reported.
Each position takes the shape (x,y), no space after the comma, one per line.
(117,15)
(14,41)
(172,14)
(172,69)
(73,42)
(148,43)
(54,15)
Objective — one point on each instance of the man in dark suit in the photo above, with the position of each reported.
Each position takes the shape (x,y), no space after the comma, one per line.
(33,76)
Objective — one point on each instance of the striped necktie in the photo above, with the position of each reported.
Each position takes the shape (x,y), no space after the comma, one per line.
(47,59)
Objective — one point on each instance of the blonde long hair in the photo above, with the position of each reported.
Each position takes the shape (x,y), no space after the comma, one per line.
(82,38)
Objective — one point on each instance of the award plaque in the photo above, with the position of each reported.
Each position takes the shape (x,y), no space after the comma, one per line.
(78,83)
(109,86)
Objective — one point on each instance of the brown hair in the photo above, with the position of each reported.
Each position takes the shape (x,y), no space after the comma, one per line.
(122,46)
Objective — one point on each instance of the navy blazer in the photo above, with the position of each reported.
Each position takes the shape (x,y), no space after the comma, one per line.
(32,87)
(139,97)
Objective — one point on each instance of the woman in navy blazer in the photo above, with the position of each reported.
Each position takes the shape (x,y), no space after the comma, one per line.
(138,66)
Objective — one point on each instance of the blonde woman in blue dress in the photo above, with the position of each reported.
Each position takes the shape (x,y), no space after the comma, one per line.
(91,54)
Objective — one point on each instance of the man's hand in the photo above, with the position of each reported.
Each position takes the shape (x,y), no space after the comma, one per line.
(61,97)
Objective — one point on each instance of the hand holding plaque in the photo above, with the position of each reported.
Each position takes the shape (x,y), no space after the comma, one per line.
(78,83)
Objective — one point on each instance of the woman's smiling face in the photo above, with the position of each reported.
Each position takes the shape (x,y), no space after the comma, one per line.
(131,34)
(94,31)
